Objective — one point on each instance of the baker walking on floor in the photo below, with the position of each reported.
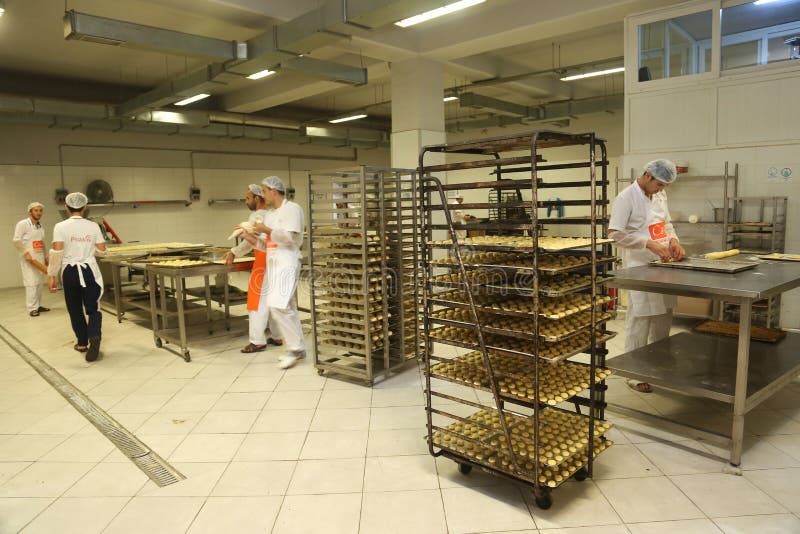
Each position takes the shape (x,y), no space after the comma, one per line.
(284,229)
(29,240)
(257,309)
(640,226)
(76,241)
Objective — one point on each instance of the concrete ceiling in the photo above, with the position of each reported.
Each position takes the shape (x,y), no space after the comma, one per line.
(491,41)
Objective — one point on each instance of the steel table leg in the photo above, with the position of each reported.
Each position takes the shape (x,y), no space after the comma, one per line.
(208,305)
(742,371)
(116,280)
(227,298)
(181,317)
(154,310)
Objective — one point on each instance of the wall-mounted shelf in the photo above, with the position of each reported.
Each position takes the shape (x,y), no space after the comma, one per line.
(212,201)
(137,203)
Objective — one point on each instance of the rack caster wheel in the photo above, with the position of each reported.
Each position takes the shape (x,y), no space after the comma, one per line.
(159,343)
(581,474)
(464,469)
(186,356)
(543,500)
(320,372)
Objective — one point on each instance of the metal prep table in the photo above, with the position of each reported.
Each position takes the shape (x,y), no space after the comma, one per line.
(740,373)
(161,310)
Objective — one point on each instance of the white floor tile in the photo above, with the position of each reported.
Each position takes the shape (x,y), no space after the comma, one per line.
(44,479)
(242,401)
(789,444)
(191,402)
(65,421)
(681,458)
(17,512)
(400,473)
(723,495)
(758,453)
(319,514)
(170,423)
(327,476)
(335,419)
(293,400)
(623,461)
(396,442)
(14,423)
(770,422)
(780,484)
(388,513)
(759,524)
(283,421)
(253,384)
(239,515)
(485,509)
(393,397)
(156,515)
(109,480)
(255,479)
(201,477)
(395,418)
(83,515)
(139,402)
(271,446)
(575,504)
(300,382)
(639,500)
(688,526)
(207,448)
(9,469)
(80,448)
(226,422)
(450,477)
(345,398)
(161,444)
(344,444)
(605,529)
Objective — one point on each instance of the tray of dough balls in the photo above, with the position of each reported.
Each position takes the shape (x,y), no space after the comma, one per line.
(520,243)
(550,330)
(551,286)
(181,264)
(553,352)
(496,302)
(355,342)
(563,443)
(354,324)
(515,376)
(549,264)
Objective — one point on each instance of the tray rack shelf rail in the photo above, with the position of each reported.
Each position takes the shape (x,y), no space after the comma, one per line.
(523,303)
(363,256)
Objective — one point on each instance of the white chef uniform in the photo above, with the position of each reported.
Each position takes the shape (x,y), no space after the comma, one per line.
(636,220)
(257,305)
(283,268)
(80,236)
(30,236)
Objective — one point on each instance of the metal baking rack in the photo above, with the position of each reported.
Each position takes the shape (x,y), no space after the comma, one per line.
(363,258)
(524,363)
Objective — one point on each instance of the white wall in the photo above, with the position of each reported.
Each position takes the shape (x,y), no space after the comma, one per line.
(151,167)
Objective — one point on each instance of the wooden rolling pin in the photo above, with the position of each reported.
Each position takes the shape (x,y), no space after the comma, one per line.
(720,255)
(38,265)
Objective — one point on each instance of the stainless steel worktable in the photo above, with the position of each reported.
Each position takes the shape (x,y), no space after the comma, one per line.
(707,366)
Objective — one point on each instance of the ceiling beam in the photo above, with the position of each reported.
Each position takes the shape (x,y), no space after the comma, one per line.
(329,70)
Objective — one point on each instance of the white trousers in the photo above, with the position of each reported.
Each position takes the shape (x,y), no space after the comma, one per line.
(287,323)
(33,297)
(640,331)
(258,322)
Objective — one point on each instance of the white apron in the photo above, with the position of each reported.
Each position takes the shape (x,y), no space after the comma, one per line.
(283,269)
(92,264)
(646,304)
(31,276)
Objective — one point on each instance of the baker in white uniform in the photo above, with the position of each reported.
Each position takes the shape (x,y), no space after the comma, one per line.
(29,241)
(76,241)
(640,226)
(257,309)
(284,229)
(459,217)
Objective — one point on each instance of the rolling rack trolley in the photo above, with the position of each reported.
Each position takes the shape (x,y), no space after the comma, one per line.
(523,303)
(363,260)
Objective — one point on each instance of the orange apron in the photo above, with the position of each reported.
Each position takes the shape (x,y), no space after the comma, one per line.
(258,275)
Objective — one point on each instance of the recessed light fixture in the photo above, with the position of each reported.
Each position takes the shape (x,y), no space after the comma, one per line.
(592,74)
(439,12)
(348,118)
(191,99)
(261,74)
(2,7)
(449,98)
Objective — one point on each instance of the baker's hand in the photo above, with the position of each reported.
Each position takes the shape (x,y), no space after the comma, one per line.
(676,250)
(662,251)
(261,228)
(28,256)
(229,258)
(53,285)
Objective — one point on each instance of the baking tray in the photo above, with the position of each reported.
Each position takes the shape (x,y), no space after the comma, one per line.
(702,264)
(780,257)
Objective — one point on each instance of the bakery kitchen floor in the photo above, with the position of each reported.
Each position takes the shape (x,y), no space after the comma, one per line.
(271,451)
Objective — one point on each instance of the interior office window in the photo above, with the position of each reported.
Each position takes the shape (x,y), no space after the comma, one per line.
(680,46)
(754,34)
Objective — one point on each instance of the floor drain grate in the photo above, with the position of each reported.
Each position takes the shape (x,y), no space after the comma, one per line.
(151,464)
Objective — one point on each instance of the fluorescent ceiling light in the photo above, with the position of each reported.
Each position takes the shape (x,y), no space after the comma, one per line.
(434,13)
(260,74)
(2,7)
(191,99)
(592,74)
(348,118)
(762,2)
(449,98)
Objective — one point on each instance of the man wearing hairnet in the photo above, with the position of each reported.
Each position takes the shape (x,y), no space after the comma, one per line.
(29,240)
(258,312)
(640,226)
(76,241)
(284,236)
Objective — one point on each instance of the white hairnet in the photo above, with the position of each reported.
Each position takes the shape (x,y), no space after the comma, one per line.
(662,169)
(256,189)
(35,205)
(76,200)
(273,182)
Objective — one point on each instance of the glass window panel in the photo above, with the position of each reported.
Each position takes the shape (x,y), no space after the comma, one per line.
(675,47)
(754,34)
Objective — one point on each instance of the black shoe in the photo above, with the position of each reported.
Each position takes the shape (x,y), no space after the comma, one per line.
(94,349)
(276,342)
(35,313)
(43,309)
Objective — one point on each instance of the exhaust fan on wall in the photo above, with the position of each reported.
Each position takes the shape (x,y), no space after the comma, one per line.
(99,192)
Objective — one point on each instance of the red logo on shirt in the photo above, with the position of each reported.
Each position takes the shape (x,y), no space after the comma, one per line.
(37,244)
(658,231)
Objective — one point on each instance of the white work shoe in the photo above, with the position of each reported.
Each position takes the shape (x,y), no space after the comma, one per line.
(288,360)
